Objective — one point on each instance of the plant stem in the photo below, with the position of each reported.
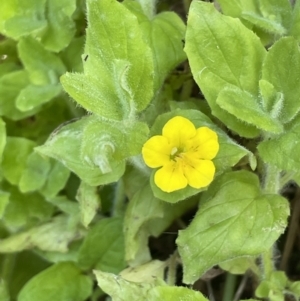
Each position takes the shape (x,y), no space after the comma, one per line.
(267,263)
(119,200)
(172,264)
(230,284)
(149,7)
(8,267)
(271,185)
(271,181)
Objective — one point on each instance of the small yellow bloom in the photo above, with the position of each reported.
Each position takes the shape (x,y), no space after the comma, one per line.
(183,154)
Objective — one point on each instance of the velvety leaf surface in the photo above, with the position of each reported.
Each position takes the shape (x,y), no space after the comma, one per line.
(282,150)
(234,219)
(223,52)
(61,282)
(285,52)
(112,141)
(117,81)
(65,146)
(247,108)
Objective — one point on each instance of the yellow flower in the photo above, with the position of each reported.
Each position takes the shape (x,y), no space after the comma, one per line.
(183,154)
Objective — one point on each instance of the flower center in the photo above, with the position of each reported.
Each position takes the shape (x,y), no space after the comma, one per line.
(175,153)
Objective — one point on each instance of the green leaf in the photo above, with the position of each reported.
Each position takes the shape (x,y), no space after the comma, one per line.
(71,56)
(103,247)
(229,154)
(25,266)
(35,173)
(89,202)
(148,216)
(271,100)
(15,155)
(44,68)
(284,52)
(10,86)
(272,16)
(105,141)
(60,26)
(235,219)
(56,180)
(295,22)
(25,209)
(117,81)
(34,96)
(240,265)
(61,282)
(164,33)
(145,273)
(295,288)
(120,289)
(223,52)
(277,151)
(53,236)
(65,145)
(22,18)
(65,205)
(247,108)
(174,293)
(266,23)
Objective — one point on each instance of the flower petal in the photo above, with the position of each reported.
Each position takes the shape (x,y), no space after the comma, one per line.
(178,130)
(156,151)
(205,143)
(170,177)
(199,173)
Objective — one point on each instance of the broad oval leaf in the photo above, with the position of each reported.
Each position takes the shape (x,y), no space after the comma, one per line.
(234,219)
(117,80)
(61,282)
(223,52)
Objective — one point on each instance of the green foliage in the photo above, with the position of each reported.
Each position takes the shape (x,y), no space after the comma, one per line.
(62,281)
(215,234)
(83,85)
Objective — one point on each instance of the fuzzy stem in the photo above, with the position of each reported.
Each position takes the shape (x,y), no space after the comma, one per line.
(149,7)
